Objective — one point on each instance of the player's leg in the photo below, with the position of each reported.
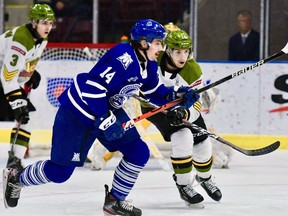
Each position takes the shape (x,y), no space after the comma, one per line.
(181,158)
(135,156)
(202,161)
(6,114)
(70,144)
(21,143)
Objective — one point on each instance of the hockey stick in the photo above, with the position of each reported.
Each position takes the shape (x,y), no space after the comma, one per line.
(152,146)
(249,152)
(130,123)
(11,152)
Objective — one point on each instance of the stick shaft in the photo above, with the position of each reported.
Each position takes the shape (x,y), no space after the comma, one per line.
(252,152)
(242,71)
(130,123)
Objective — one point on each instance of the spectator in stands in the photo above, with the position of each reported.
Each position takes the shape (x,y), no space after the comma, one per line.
(244,45)
(66,8)
(73,20)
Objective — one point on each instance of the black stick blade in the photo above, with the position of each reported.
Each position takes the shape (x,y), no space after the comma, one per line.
(262,151)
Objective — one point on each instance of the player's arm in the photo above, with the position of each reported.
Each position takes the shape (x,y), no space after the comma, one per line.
(12,65)
(94,93)
(194,81)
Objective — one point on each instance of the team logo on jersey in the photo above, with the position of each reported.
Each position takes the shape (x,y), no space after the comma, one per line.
(125,60)
(76,157)
(133,79)
(118,100)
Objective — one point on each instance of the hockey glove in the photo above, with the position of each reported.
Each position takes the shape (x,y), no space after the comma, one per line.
(176,115)
(189,95)
(25,92)
(19,106)
(34,80)
(110,126)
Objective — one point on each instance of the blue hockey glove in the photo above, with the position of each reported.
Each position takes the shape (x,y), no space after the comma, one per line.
(176,115)
(189,95)
(110,126)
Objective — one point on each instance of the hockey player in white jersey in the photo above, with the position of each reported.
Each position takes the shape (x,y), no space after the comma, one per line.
(178,68)
(20,51)
(91,108)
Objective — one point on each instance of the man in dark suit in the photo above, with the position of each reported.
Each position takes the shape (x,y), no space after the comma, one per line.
(244,45)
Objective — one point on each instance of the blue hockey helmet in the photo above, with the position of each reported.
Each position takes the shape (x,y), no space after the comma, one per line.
(147,29)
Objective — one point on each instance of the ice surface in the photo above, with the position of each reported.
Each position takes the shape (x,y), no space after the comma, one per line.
(256,186)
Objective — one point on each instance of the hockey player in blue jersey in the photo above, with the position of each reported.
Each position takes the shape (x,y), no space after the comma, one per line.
(92,108)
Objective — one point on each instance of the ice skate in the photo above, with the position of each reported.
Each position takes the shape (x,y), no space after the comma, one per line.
(14,162)
(11,187)
(189,195)
(210,187)
(115,207)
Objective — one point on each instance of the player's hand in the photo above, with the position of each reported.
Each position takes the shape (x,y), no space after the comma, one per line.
(190,97)
(176,115)
(20,109)
(110,126)
(188,94)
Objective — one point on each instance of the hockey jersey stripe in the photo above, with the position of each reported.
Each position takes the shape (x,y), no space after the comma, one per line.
(97,85)
(79,107)
(9,75)
(78,89)
(88,95)
(151,90)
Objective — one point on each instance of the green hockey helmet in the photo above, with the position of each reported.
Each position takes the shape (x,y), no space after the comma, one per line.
(178,39)
(41,11)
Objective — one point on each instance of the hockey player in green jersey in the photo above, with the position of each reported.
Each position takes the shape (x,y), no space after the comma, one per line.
(20,51)
(178,68)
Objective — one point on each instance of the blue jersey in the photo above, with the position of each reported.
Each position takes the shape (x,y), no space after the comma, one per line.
(115,77)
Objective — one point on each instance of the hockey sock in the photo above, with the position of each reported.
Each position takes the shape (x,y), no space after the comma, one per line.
(34,174)
(22,138)
(203,169)
(182,169)
(125,177)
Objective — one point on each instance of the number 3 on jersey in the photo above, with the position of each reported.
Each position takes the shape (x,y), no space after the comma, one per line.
(108,75)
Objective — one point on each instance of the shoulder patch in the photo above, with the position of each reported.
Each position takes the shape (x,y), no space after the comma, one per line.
(125,60)
(18,50)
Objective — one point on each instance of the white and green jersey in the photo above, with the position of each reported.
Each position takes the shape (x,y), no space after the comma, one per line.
(19,55)
(189,75)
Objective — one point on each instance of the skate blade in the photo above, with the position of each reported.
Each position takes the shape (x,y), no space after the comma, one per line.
(110,214)
(194,206)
